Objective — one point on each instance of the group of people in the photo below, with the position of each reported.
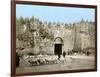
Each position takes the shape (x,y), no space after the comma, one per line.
(59,55)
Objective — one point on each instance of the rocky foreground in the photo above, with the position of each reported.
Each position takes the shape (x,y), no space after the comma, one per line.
(51,63)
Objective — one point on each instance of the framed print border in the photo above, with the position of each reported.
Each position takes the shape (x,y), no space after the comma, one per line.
(13,36)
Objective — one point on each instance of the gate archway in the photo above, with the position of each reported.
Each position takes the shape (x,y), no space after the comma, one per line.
(58,43)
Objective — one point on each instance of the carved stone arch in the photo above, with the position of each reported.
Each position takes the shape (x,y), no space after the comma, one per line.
(58,43)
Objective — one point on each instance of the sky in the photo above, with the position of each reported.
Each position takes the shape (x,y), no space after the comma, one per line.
(55,13)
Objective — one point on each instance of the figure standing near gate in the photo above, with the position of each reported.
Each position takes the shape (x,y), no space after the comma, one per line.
(64,54)
(59,56)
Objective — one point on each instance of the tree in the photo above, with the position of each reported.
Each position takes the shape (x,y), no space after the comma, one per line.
(32,19)
(21,21)
(27,21)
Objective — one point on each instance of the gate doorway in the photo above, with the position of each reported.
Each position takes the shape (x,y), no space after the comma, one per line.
(58,49)
(58,43)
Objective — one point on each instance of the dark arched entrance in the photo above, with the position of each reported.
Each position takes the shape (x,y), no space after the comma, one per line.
(58,42)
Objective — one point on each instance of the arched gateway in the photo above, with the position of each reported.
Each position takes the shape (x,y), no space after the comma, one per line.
(58,43)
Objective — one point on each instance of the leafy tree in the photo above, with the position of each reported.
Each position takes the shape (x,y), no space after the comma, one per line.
(32,19)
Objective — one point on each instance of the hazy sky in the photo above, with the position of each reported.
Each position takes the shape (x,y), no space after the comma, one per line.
(55,14)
